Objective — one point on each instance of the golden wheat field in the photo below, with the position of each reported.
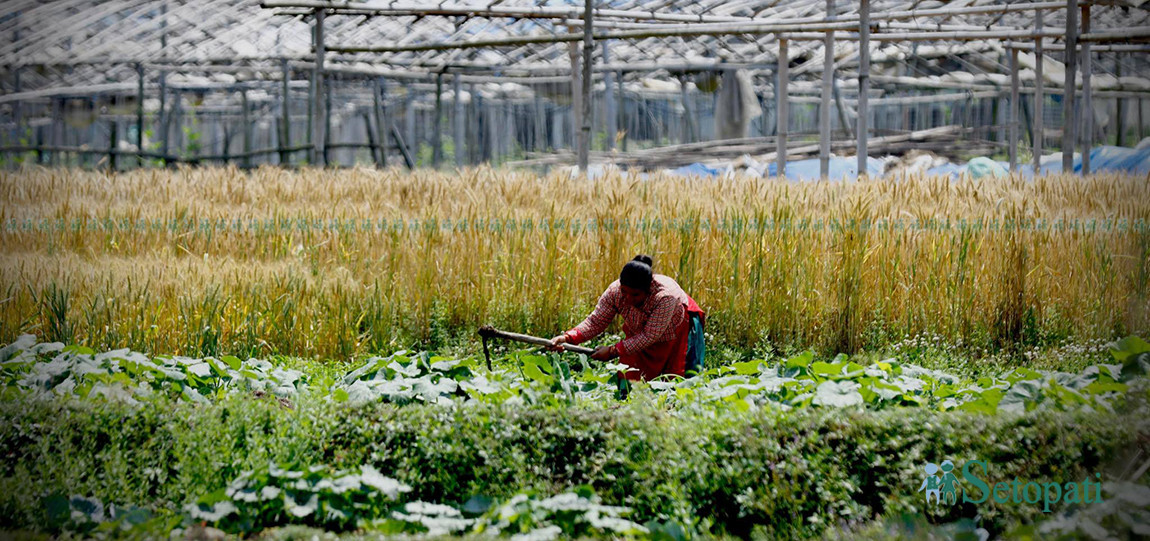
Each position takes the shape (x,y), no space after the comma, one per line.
(343,263)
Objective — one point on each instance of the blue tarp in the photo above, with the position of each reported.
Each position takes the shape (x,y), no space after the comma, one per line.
(839,168)
(697,170)
(1102,159)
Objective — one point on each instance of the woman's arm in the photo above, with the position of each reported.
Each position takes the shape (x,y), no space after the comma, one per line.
(599,319)
(657,324)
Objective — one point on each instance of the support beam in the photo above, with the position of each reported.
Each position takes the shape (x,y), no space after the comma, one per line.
(864,84)
(437,133)
(246,134)
(1120,105)
(1068,88)
(319,135)
(622,111)
(688,111)
(1039,136)
(285,120)
(576,99)
(827,91)
(1014,84)
(588,48)
(139,112)
(612,119)
(113,140)
(783,73)
(382,121)
(457,122)
(1087,98)
(372,140)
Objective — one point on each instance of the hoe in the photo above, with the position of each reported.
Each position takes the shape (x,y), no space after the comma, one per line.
(487,331)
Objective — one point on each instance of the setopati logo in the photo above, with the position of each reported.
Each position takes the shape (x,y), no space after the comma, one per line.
(944,483)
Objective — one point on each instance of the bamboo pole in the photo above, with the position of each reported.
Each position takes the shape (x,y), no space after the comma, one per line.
(327,135)
(246,134)
(1125,35)
(864,84)
(437,123)
(1120,105)
(576,99)
(1068,88)
(783,74)
(609,96)
(1014,83)
(1087,98)
(827,90)
(588,48)
(379,96)
(457,123)
(623,111)
(319,135)
(1105,48)
(688,111)
(550,12)
(1038,140)
(285,123)
(810,31)
(113,139)
(140,111)
(372,141)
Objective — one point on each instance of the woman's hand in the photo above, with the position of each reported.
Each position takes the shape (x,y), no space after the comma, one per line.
(557,343)
(604,353)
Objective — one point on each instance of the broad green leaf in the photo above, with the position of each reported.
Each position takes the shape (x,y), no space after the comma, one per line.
(839,394)
(232,362)
(1127,347)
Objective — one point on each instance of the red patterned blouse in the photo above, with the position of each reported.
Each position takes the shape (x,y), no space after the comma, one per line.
(656,321)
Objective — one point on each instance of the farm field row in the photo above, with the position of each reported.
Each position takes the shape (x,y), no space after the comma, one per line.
(549,445)
(207,262)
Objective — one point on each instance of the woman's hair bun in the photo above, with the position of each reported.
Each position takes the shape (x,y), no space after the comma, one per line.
(645,259)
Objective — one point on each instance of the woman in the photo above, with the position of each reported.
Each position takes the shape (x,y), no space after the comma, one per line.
(662,324)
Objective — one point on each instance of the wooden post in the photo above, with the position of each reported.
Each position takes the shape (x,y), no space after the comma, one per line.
(588,48)
(1039,136)
(576,97)
(1068,90)
(113,140)
(319,135)
(309,134)
(1141,120)
(864,84)
(622,111)
(164,120)
(227,150)
(17,110)
(139,114)
(177,119)
(285,124)
(382,121)
(1120,105)
(609,95)
(688,111)
(783,73)
(538,124)
(437,133)
(1087,95)
(1014,91)
(246,134)
(413,142)
(827,90)
(327,135)
(457,124)
(372,141)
